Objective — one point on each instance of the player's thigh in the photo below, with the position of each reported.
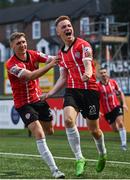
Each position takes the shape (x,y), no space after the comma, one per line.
(114,126)
(45,116)
(70,115)
(93,125)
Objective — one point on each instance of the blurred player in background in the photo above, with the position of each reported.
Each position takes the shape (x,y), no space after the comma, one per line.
(23,73)
(78,74)
(112,107)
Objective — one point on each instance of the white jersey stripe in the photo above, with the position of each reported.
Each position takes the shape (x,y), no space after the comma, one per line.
(83,57)
(112,93)
(36,89)
(68,70)
(27,89)
(80,74)
(27,92)
(106,98)
(85,84)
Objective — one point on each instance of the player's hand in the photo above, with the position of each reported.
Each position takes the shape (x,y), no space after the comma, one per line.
(55,61)
(43,96)
(125,107)
(85,78)
(100,114)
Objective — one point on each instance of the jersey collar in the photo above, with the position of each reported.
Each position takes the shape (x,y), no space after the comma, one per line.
(62,49)
(27,59)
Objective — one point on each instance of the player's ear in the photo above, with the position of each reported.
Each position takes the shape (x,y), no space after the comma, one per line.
(57,31)
(11,45)
(58,34)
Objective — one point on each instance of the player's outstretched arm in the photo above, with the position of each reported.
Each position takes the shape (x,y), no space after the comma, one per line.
(61,82)
(31,75)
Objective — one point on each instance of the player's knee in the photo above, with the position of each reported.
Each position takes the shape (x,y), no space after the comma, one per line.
(68,122)
(120,125)
(36,129)
(95,132)
(115,130)
(39,135)
(49,131)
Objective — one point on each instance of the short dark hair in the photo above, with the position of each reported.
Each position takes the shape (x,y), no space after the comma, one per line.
(61,18)
(102,68)
(16,35)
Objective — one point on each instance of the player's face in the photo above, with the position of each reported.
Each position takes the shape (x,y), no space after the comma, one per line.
(19,45)
(103,74)
(65,31)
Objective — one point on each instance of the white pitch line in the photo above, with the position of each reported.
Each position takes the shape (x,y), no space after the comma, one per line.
(65,158)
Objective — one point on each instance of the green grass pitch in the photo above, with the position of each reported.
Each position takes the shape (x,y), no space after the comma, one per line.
(19,158)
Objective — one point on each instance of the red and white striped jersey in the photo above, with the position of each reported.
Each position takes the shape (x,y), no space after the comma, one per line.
(108,95)
(72,60)
(24,92)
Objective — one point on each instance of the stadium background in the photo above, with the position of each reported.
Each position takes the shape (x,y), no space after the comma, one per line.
(105,24)
(99,22)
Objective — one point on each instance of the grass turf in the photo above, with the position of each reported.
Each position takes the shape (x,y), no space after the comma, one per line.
(16,166)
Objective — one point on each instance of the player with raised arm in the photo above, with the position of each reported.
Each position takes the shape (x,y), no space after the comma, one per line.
(77,72)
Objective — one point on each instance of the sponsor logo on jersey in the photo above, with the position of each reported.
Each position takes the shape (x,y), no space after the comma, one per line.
(15,70)
(87,52)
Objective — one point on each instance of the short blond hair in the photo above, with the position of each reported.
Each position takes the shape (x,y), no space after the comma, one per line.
(61,18)
(16,35)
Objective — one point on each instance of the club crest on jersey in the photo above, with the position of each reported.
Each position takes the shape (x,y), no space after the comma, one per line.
(27,116)
(77,54)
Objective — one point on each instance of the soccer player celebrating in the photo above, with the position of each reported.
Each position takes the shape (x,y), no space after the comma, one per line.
(77,72)
(23,74)
(112,108)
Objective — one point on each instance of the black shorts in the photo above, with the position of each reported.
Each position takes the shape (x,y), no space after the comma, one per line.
(85,101)
(35,111)
(111,116)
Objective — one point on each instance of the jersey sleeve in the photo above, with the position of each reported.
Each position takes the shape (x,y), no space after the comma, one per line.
(41,57)
(117,87)
(15,70)
(87,52)
(38,56)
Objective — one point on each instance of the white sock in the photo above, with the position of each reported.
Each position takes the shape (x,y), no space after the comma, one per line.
(46,154)
(100,144)
(122,133)
(74,141)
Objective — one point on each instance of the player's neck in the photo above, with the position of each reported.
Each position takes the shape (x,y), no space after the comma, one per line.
(69,42)
(66,47)
(105,81)
(22,56)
